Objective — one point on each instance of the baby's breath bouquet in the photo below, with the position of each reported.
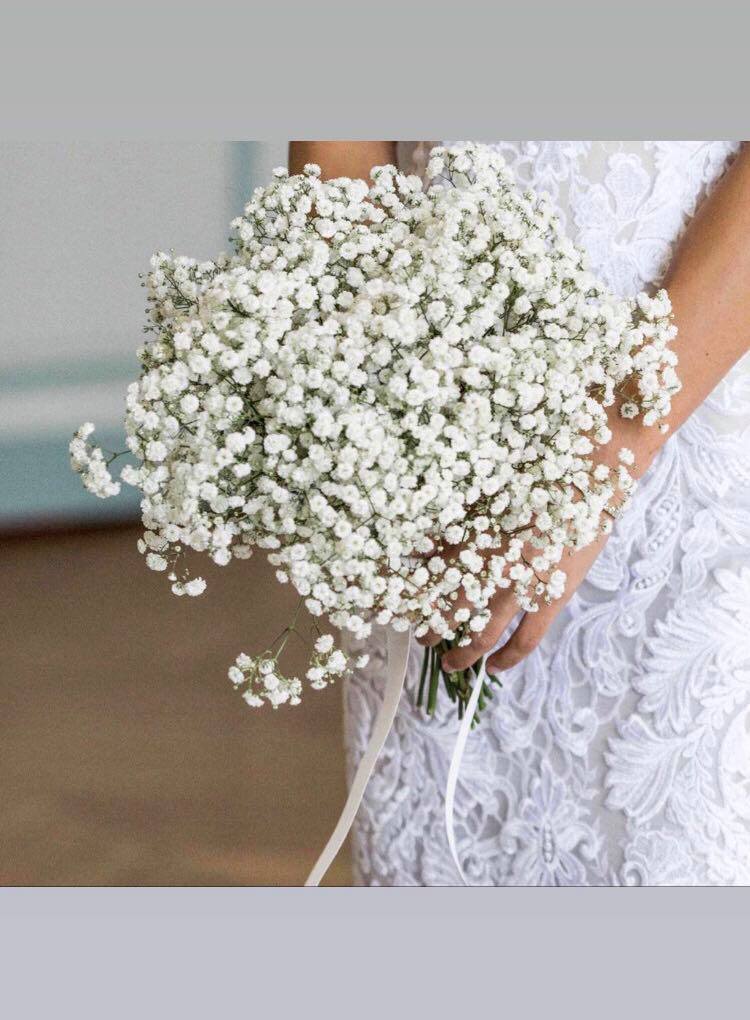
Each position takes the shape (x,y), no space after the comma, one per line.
(396,392)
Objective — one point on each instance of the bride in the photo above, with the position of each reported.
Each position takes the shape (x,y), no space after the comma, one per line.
(618,750)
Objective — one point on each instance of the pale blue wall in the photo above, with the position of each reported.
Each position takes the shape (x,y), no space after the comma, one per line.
(79,222)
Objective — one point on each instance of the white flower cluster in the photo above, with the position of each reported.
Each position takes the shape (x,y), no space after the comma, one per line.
(89,462)
(395,391)
(263,681)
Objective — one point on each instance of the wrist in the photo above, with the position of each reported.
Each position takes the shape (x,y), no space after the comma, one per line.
(644,441)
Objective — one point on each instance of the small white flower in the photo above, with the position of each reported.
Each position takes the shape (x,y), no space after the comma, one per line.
(236,675)
(336,662)
(324,643)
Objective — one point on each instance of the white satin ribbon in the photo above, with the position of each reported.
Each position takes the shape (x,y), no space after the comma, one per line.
(455,768)
(398,658)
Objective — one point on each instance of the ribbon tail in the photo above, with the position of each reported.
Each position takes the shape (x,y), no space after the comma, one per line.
(455,768)
(398,659)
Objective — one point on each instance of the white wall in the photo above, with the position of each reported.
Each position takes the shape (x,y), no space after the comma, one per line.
(78,222)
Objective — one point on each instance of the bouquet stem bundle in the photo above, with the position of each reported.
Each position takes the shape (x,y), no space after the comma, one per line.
(458,685)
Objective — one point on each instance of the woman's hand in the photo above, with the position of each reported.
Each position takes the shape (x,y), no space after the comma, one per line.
(575,564)
(532,627)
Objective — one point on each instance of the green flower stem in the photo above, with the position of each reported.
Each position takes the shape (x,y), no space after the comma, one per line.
(458,684)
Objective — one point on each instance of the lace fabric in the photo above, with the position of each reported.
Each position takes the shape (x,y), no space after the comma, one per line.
(618,753)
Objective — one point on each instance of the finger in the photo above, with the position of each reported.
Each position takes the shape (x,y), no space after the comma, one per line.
(503,607)
(523,640)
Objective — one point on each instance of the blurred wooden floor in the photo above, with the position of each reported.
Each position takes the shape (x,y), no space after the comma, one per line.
(126,758)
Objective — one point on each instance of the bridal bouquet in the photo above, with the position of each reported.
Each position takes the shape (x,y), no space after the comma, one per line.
(397,393)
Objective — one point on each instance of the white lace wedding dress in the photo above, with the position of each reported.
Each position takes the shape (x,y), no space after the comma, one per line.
(619,751)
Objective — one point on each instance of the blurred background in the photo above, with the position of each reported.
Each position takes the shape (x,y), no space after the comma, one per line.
(125,756)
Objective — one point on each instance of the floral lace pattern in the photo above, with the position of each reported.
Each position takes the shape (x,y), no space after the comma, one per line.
(619,751)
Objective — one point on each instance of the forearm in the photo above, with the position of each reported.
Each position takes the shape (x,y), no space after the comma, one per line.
(341,159)
(709,286)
